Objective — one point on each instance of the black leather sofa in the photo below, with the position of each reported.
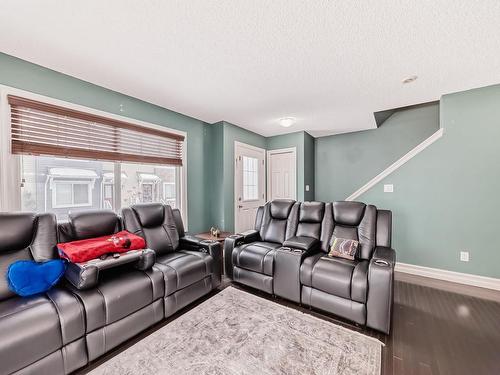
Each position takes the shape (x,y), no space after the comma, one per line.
(106,302)
(286,255)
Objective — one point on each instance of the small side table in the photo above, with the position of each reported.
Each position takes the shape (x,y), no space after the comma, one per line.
(222,237)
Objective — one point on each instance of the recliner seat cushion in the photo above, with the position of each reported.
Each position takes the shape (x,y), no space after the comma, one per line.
(256,257)
(184,268)
(30,330)
(340,277)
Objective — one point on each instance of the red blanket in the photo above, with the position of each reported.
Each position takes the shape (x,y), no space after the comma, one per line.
(92,248)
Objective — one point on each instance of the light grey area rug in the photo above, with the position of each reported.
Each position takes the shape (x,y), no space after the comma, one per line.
(235,332)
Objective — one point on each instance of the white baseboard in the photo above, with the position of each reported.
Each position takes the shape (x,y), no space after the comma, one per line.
(456,277)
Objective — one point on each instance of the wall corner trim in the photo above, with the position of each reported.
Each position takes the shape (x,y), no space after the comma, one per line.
(456,277)
(397,164)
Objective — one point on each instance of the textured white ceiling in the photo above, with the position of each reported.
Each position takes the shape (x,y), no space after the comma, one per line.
(330,64)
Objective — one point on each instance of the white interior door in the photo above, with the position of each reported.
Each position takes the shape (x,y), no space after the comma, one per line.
(281,176)
(249,184)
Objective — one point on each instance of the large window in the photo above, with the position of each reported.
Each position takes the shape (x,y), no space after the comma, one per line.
(62,185)
(63,158)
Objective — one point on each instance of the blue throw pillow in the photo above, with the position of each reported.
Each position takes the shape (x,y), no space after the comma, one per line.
(27,277)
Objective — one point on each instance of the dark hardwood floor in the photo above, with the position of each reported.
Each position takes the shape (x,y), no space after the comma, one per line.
(439,328)
(438,331)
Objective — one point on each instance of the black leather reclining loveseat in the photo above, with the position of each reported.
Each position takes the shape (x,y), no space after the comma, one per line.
(104,304)
(286,255)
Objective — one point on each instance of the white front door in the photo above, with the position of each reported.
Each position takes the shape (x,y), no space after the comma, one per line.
(281,176)
(249,184)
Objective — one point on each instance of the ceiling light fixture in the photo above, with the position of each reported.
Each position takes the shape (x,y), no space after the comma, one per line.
(286,122)
(409,79)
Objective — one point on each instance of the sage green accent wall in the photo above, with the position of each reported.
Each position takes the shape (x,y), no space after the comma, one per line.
(21,74)
(304,144)
(445,198)
(309,167)
(214,163)
(221,170)
(345,162)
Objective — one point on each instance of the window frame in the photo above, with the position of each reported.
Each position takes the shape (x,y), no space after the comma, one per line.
(103,194)
(175,184)
(72,183)
(10,165)
(255,173)
(165,184)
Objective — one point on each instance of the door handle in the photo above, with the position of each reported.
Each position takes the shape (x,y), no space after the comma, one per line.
(240,206)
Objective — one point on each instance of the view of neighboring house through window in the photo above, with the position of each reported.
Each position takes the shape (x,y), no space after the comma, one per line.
(71,194)
(147,184)
(63,185)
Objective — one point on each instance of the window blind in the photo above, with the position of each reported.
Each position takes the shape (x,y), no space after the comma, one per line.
(39,128)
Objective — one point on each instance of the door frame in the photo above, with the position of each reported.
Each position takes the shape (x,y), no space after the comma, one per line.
(238,144)
(293,151)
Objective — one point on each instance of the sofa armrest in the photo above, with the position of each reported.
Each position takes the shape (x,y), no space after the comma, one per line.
(251,235)
(213,248)
(384,254)
(380,289)
(302,243)
(86,275)
(229,244)
(208,246)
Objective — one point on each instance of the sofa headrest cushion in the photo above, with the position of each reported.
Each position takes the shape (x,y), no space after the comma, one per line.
(348,213)
(150,214)
(93,223)
(280,208)
(16,230)
(311,212)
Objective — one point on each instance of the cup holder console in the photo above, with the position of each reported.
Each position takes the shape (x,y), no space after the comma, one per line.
(286,273)
(290,250)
